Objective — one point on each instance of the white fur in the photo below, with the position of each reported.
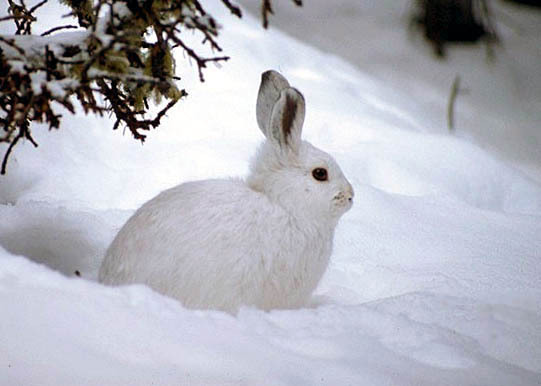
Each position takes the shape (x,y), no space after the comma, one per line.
(220,244)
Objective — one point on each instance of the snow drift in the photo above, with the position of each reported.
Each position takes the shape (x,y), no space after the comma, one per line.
(435,276)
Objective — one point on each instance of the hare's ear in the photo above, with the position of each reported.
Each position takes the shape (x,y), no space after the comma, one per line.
(272,83)
(286,120)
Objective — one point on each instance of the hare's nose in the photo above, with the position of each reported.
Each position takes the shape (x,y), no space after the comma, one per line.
(349,192)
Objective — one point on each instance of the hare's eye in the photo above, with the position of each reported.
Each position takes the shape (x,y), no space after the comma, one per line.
(320,174)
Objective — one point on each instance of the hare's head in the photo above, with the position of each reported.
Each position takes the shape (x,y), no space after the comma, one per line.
(291,172)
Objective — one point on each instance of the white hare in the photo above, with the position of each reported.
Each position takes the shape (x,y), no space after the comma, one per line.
(223,243)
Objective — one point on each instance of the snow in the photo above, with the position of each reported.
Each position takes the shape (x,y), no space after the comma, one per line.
(435,276)
(33,45)
(499,107)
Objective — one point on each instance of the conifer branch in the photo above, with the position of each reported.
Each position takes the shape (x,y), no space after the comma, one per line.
(107,55)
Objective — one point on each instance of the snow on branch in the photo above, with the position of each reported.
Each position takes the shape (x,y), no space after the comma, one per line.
(118,56)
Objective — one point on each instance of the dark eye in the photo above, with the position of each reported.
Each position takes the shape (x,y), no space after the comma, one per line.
(320,174)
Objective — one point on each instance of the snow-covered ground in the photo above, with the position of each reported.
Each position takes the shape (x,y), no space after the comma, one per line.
(500,103)
(436,274)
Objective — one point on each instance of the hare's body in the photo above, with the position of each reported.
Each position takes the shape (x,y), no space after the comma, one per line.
(263,242)
(219,257)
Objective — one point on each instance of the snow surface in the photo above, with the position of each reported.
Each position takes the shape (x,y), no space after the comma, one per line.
(499,103)
(435,278)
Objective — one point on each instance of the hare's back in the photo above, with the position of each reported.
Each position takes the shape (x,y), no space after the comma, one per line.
(191,225)
(203,205)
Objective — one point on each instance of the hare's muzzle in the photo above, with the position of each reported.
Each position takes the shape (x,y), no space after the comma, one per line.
(344,198)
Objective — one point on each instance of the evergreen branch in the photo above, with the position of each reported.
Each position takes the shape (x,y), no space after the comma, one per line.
(113,60)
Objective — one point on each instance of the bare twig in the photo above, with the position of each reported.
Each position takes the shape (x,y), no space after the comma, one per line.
(38,5)
(455,88)
(58,29)
(9,150)
(24,132)
(201,62)
(10,17)
(233,8)
(266,9)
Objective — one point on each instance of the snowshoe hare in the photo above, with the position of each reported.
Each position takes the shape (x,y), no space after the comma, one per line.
(263,242)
